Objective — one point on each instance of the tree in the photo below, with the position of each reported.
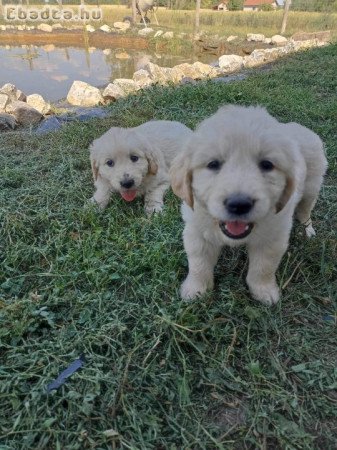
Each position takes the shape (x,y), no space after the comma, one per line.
(285,16)
(197,16)
(235,5)
(134,10)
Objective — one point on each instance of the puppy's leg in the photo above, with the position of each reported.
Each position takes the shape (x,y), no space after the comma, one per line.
(264,259)
(102,194)
(307,203)
(154,198)
(202,256)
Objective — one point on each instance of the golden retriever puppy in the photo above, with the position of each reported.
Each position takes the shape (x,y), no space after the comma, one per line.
(135,162)
(242,176)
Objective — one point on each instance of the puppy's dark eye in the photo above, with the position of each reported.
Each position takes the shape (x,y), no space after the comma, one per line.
(266,165)
(134,158)
(110,163)
(214,165)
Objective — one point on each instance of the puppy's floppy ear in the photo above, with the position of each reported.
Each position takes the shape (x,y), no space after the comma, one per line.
(181,178)
(94,168)
(286,194)
(153,163)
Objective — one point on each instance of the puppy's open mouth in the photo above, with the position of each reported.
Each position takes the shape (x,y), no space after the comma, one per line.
(129,195)
(236,229)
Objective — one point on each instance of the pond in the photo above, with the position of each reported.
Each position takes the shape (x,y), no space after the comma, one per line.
(50,70)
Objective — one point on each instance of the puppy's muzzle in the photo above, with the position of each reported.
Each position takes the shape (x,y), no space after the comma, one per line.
(238,206)
(128,183)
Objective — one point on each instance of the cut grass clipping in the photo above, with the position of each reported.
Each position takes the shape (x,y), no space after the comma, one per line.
(222,372)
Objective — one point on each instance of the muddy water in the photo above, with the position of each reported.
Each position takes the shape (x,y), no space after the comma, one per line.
(50,70)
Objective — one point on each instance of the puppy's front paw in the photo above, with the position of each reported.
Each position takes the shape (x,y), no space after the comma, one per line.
(268,294)
(310,231)
(192,287)
(153,209)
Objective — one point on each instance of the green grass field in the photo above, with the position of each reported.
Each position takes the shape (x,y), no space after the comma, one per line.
(222,372)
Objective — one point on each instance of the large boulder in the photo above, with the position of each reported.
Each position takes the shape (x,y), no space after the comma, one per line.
(24,114)
(263,56)
(127,85)
(45,27)
(161,75)
(105,28)
(7,122)
(83,94)
(142,78)
(13,92)
(38,102)
(113,92)
(122,26)
(278,40)
(255,37)
(4,101)
(230,63)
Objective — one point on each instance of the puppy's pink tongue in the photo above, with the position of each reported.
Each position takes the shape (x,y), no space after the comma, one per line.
(129,196)
(236,228)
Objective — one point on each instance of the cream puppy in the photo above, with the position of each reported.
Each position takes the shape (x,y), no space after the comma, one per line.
(242,176)
(135,162)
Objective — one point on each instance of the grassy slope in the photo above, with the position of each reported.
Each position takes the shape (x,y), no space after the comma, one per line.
(222,372)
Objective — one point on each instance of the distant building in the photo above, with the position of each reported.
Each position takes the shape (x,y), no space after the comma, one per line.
(251,5)
(256,5)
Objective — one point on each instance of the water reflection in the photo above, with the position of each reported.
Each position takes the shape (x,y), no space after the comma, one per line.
(50,70)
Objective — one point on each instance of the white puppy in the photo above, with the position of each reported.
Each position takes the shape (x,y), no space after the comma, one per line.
(241,176)
(135,161)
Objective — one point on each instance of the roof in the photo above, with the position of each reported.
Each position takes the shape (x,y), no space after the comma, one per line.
(258,2)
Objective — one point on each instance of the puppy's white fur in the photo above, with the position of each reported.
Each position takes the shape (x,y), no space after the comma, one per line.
(154,143)
(239,139)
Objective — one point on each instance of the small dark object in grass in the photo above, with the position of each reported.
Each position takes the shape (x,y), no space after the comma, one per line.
(62,378)
(329,318)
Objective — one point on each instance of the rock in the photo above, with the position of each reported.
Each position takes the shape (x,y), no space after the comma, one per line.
(294,46)
(48,125)
(142,78)
(158,33)
(267,41)
(323,36)
(262,56)
(127,85)
(158,74)
(122,26)
(168,35)
(38,102)
(45,27)
(113,92)
(105,28)
(84,114)
(4,101)
(230,63)
(145,31)
(21,27)
(107,51)
(278,40)
(49,48)
(7,122)
(255,37)
(23,113)
(13,92)
(205,70)
(57,26)
(231,38)
(3,27)
(90,28)
(82,94)
(122,55)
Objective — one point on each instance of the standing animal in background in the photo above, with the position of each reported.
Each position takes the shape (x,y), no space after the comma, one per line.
(242,177)
(134,162)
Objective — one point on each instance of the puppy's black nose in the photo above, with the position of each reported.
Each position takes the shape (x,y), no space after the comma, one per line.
(239,204)
(127,184)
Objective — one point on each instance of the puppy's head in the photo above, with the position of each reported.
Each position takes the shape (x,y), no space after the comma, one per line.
(124,158)
(239,166)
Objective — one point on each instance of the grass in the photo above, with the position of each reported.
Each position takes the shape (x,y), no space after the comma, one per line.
(224,23)
(223,372)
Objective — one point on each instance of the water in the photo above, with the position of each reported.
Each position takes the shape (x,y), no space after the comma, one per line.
(50,70)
